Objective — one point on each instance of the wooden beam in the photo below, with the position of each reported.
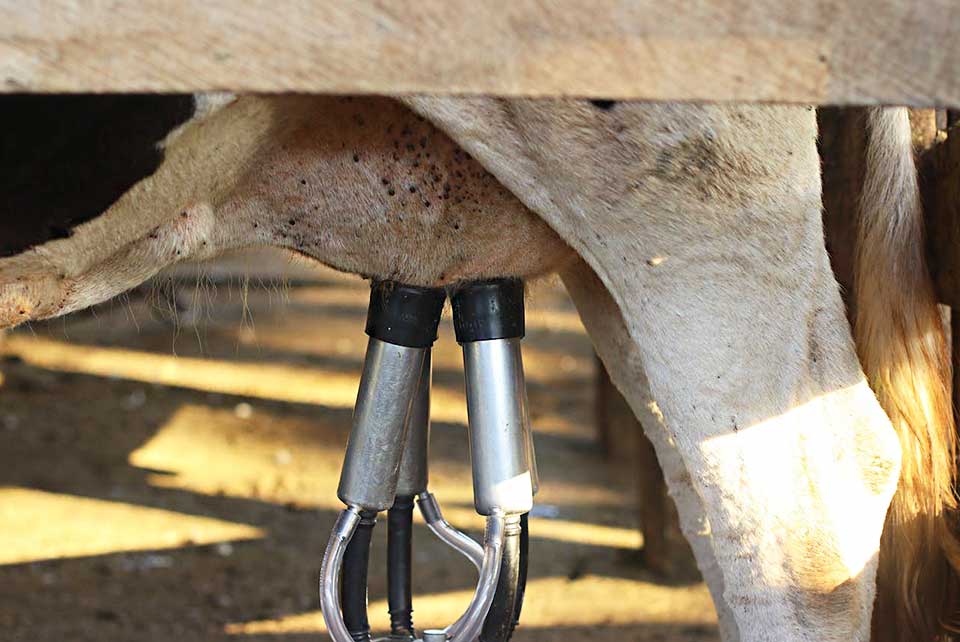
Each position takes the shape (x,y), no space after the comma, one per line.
(808,51)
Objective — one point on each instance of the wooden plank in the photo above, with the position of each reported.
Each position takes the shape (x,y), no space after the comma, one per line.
(810,51)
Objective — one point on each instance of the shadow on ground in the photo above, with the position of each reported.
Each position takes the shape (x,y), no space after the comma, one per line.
(132,510)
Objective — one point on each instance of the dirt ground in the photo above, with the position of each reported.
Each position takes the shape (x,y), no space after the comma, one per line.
(168,480)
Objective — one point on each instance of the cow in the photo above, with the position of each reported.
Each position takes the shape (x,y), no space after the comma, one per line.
(689,237)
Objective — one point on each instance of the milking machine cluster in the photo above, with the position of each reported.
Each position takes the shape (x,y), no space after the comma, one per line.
(385,467)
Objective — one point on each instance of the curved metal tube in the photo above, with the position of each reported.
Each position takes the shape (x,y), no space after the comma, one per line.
(460,542)
(468,627)
(498,625)
(343,530)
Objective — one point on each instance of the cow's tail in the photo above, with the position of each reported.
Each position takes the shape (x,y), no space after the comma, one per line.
(904,352)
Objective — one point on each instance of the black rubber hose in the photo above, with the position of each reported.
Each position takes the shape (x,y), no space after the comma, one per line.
(353,582)
(522,575)
(399,566)
(499,623)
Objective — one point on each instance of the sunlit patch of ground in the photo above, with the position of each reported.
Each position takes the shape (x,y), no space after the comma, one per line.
(79,526)
(254,459)
(147,496)
(659,605)
(280,382)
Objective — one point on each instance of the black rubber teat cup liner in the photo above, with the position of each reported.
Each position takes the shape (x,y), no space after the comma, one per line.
(404,315)
(485,310)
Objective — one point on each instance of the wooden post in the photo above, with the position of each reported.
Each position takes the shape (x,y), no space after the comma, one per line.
(666,552)
(940,184)
(842,152)
(603,390)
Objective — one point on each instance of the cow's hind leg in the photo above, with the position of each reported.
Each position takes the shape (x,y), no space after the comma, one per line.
(602,319)
(703,223)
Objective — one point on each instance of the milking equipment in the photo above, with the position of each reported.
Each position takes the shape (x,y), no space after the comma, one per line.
(385,465)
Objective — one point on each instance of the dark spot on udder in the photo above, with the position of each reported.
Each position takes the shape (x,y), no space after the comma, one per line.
(605,105)
(356,158)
